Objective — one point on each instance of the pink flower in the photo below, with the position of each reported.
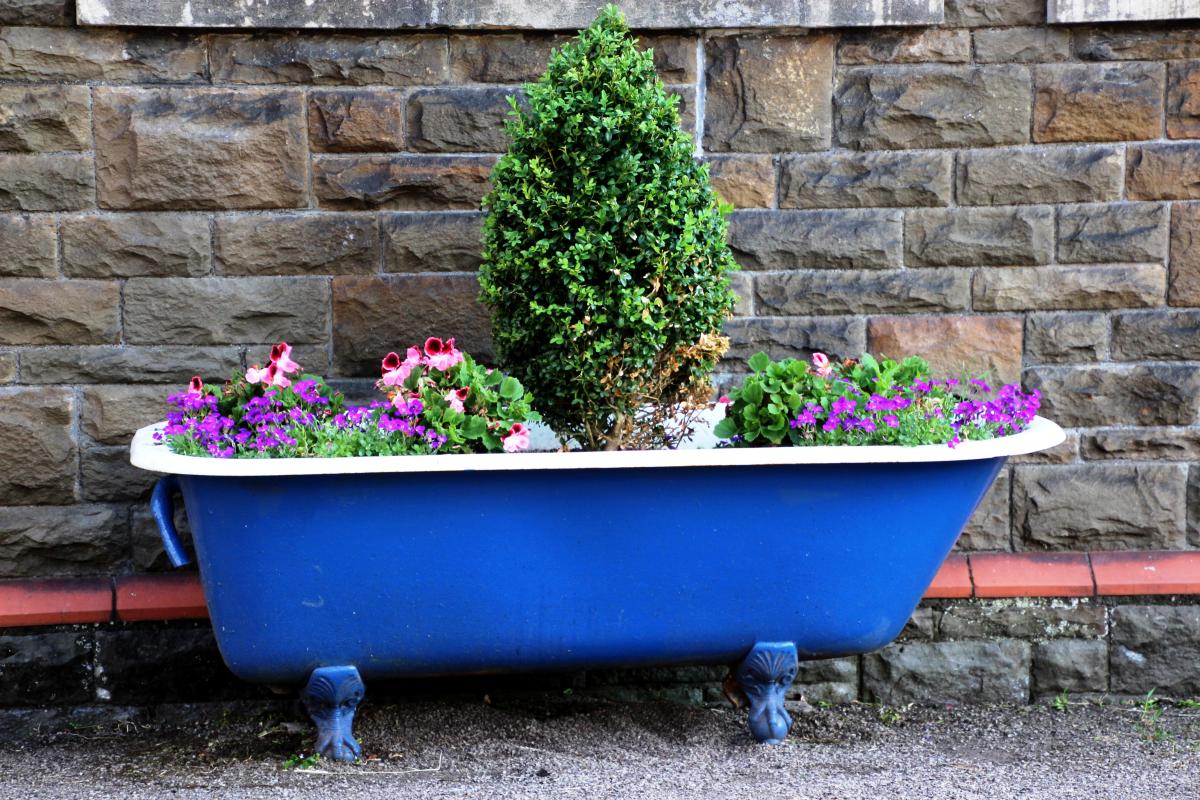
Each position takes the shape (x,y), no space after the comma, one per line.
(276,377)
(821,362)
(195,386)
(395,371)
(257,374)
(723,400)
(517,439)
(441,355)
(454,401)
(281,354)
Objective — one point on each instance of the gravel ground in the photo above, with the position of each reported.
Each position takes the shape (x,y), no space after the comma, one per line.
(590,749)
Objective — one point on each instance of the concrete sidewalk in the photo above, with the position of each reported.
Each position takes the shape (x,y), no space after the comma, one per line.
(587,749)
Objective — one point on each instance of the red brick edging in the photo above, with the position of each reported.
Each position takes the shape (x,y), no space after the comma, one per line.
(137,598)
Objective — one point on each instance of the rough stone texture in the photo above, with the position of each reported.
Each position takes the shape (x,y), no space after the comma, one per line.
(123,246)
(1163,171)
(989,527)
(105,475)
(374,315)
(329,59)
(742,284)
(985,13)
(1099,507)
(1156,646)
(978,236)
(133,364)
(794,338)
(1070,665)
(1193,504)
(34,12)
(1065,338)
(60,312)
(1022,618)
(74,54)
(1127,42)
(296,244)
(221,310)
(1153,335)
(1057,175)
(38,451)
(789,108)
(111,414)
(58,182)
(1183,100)
(912,291)
(841,239)
(1132,232)
(8,367)
(905,47)
(1121,10)
(506,57)
(445,242)
(402,183)
(45,668)
(1184,283)
(44,118)
(952,344)
(199,149)
(61,540)
(461,119)
(1089,396)
(146,543)
(356,121)
(1070,288)
(968,672)
(743,181)
(1097,103)
(28,247)
(850,180)
(1142,444)
(1022,45)
(883,108)
(182,663)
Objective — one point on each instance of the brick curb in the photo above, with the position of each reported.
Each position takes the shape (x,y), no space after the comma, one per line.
(139,598)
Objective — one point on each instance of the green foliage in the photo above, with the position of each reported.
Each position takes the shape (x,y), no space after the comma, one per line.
(604,255)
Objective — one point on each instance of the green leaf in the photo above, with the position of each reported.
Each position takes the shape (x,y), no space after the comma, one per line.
(474,427)
(752,393)
(510,388)
(725,429)
(759,361)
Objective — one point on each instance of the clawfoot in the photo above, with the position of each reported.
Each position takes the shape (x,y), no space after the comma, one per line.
(765,675)
(331,697)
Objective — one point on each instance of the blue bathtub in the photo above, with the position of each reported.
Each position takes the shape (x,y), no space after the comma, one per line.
(336,571)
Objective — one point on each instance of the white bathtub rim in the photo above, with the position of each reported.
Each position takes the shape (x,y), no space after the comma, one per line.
(147,454)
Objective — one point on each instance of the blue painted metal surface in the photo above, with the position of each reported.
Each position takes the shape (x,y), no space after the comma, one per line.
(331,697)
(765,675)
(162,506)
(424,574)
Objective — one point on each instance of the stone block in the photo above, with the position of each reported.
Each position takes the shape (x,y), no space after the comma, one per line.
(743,181)
(994,13)
(8,367)
(432,242)
(1023,618)
(843,179)
(129,245)
(106,476)
(1065,338)
(28,247)
(1022,45)
(1070,665)
(41,669)
(742,284)
(504,57)
(1193,504)
(862,292)
(834,239)
(793,338)
(917,46)
(323,59)
(467,119)
(355,121)
(788,108)
(141,665)
(296,244)
(1070,288)
(1183,100)
(989,527)
(402,183)
(953,345)
(46,541)
(1098,102)
(59,312)
(1169,171)
(1156,647)
(38,182)
(200,148)
(1129,232)
(1135,43)
(1093,396)
(1141,444)
(111,414)
(374,315)
(1039,175)
(37,448)
(146,543)
(1016,235)
(129,363)
(889,108)
(35,12)
(1099,507)
(71,55)
(940,672)
(226,310)
(45,118)
(1184,282)
(1157,335)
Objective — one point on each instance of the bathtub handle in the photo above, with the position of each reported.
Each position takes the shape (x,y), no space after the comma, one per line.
(162,506)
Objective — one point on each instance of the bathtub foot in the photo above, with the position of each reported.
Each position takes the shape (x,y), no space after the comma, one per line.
(331,697)
(765,675)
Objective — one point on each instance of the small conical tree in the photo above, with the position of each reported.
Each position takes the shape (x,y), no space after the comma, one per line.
(604,255)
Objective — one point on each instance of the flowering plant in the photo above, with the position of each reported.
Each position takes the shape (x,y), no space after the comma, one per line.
(867,401)
(438,400)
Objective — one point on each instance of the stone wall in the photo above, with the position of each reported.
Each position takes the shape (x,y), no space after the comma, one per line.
(992,192)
